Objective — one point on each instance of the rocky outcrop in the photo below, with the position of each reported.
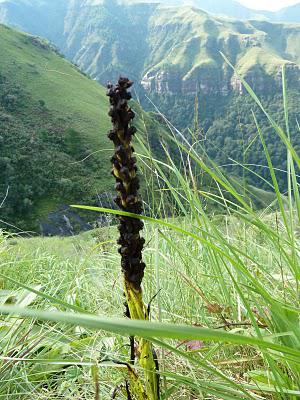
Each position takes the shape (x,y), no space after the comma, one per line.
(162,82)
(215,82)
(67,221)
(261,82)
(171,50)
(205,78)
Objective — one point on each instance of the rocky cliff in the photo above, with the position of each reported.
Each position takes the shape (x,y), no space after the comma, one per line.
(191,58)
(165,49)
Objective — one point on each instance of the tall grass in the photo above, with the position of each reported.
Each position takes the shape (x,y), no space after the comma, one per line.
(228,306)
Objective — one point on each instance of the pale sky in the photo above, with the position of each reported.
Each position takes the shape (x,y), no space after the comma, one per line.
(272,5)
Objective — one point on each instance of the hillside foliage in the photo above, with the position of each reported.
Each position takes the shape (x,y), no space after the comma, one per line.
(53,127)
(226,132)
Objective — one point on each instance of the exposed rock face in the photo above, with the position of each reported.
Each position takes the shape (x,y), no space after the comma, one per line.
(67,221)
(165,82)
(236,85)
(263,83)
(162,82)
(192,61)
(63,222)
(171,50)
(208,81)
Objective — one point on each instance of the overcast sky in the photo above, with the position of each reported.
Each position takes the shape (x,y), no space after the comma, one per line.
(268,4)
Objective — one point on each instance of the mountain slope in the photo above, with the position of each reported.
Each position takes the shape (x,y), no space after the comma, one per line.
(177,48)
(175,54)
(32,63)
(287,14)
(186,45)
(229,8)
(51,118)
(233,9)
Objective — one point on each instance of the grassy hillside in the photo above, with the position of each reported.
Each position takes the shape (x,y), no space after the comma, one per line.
(53,132)
(230,8)
(40,71)
(183,42)
(175,59)
(228,283)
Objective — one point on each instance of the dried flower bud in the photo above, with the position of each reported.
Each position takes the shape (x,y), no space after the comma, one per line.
(124,170)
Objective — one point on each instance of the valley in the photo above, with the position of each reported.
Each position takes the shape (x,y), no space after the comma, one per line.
(149,233)
(177,62)
(178,48)
(54,147)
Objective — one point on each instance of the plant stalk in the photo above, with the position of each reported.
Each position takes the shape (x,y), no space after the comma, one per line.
(131,243)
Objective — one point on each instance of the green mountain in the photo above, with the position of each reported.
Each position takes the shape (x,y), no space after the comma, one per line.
(189,55)
(174,56)
(178,48)
(233,9)
(53,125)
(18,11)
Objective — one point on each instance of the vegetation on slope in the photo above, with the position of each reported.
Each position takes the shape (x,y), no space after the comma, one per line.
(185,38)
(234,9)
(228,283)
(52,118)
(178,57)
(227,133)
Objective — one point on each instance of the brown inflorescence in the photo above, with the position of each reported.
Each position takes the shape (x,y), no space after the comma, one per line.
(127,181)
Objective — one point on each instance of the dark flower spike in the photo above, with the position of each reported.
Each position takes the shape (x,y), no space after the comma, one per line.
(127,186)
(131,243)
